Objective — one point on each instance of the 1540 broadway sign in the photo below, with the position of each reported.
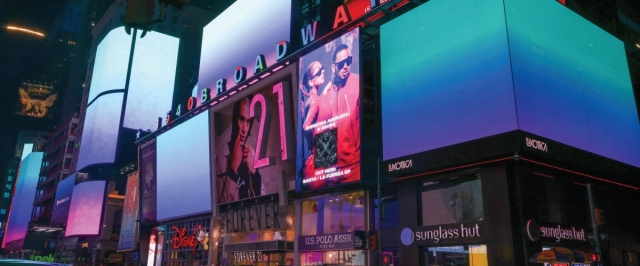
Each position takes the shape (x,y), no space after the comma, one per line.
(340,241)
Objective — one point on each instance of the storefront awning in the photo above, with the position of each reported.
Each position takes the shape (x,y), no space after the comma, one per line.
(264,246)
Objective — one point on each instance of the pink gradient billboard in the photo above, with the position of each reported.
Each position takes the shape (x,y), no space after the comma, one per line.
(86,209)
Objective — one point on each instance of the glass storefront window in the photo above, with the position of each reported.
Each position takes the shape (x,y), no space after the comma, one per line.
(333,214)
(331,258)
(455,200)
(471,255)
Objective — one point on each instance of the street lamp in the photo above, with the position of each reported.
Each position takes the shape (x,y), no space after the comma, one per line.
(24,30)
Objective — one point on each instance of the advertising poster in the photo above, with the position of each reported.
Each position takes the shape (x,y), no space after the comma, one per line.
(36,100)
(129,214)
(148,175)
(328,120)
(86,209)
(63,200)
(251,158)
(153,242)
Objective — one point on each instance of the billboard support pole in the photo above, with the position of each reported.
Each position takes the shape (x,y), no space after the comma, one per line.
(594,226)
(379,220)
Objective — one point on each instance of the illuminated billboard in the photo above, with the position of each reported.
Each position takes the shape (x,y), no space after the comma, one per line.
(572,81)
(128,230)
(328,127)
(225,48)
(62,201)
(150,90)
(100,131)
(36,100)
(459,78)
(252,154)
(448,81)
(149,183)
(85,212)
(183,169)
(25,192)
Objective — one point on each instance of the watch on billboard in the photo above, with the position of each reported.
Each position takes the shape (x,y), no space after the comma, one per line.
(328,127)
(252,154)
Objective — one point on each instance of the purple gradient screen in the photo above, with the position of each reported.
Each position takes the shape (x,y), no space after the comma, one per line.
(86,209)
(63,200)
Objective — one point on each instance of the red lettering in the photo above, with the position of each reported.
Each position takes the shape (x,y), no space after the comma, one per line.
(342,17)
(181,239)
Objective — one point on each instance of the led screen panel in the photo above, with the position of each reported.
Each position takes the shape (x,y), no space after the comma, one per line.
(152,81)
(226,45)
(183,172)
(86,209)
(36,100)
(572,81)
(149,183)
(100,131)
(110,65)
(252,156)
(328,127)
(62,202)
(25,192)
(128,230)
(446,76)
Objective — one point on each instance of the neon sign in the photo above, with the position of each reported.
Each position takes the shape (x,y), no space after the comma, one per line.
(182,240)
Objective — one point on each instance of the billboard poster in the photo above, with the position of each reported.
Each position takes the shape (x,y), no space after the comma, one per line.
(328,121)
(62,201)
(86,209)
(153,242)
(252,154)
(149,184)
(129,214)
(36,100)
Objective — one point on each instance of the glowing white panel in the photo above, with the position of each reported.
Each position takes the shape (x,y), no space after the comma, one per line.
(110,67)
(100,132)
(184,178)
(238,35)
(152,80)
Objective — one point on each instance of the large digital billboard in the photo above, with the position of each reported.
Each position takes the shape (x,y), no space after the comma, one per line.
(445,76)
(572,81)
(252,156)
(225,45)
(36,100)
(128,230)
(183,169)
(25,192)
(328,121)
(85,212)
(100,131)
(458,78)
(149,97)
(153,73)
(62,202)
(149,183)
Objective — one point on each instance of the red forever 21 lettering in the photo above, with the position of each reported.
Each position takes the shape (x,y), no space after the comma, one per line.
(182,240)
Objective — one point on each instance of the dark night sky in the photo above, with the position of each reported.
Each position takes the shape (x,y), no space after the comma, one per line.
(21,57)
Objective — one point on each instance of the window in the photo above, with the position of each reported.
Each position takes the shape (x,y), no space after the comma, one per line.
(8,186)
(10,178)
(3,211)
(454,200)
(454,255)
(7,194)
(334,214)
